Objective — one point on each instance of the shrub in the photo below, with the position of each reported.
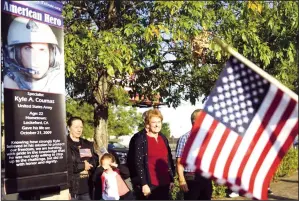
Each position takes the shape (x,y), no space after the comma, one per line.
(288,165)
(219,191)
(176,193)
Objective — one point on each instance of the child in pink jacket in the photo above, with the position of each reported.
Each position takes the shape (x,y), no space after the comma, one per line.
(113,186)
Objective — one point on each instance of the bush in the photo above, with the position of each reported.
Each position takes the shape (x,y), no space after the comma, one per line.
(176,193)
(219,191)
(288,165)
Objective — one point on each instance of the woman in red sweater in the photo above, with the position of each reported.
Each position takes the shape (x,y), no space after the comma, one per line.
(153,159)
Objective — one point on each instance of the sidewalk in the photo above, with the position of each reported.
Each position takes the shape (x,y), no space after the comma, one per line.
(285,188)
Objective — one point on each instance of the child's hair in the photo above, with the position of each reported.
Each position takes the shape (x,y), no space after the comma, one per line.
(109,156)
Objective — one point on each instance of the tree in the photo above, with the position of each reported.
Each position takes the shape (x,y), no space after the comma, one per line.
(123,120)
(84,111)
(166,130)
(168,47)
(266,33)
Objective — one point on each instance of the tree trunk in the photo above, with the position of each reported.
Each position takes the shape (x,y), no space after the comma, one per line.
(101,128)
(101,114)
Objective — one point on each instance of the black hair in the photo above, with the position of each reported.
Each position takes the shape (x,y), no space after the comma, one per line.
(70,121)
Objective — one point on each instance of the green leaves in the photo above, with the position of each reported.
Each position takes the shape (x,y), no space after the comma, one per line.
(83,110)
(123,120)
(110,70)
(158,35)
(166,130)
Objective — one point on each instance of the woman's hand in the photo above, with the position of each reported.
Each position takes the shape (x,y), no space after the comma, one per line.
(171,185)
(146,190)
(87,165)
(183,186)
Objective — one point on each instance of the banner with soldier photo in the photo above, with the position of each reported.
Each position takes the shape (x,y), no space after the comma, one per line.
(34,94)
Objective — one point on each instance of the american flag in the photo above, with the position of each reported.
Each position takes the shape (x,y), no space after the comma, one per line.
(246,127)
(85,153)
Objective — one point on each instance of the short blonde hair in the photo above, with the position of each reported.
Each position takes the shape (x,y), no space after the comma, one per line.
(153,113)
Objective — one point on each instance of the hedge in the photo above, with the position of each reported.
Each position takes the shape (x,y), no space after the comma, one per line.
(288,165)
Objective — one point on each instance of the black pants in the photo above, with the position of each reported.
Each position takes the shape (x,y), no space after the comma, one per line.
(84,196)
(128,196)
(137,191)
(200,188)
(157,193)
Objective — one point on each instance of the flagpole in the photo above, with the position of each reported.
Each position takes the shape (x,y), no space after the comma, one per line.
(257,69)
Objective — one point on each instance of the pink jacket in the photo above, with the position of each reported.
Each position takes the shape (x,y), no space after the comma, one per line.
(113,186)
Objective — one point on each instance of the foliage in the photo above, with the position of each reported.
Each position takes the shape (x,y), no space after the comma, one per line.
(123,120)
(162,35)
(176,193)
(165,47)
(83,110)
(266,34)
(166,130)
(288,165)
(219,191)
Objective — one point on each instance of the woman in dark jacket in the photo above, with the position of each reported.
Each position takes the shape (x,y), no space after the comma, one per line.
(153,159)
(82,161)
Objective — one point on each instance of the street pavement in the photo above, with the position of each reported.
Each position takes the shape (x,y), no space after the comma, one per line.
(285,188)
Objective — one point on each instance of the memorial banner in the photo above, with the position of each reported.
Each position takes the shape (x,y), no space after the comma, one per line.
(34,94)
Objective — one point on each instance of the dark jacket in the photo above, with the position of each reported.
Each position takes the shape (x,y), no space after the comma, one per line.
(141,158)
(131,159)
(97,181)
(76,164)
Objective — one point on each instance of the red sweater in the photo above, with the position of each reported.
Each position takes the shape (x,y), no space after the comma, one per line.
(158,161)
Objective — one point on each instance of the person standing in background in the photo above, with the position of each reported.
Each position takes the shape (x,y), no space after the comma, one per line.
(130,160)
(194,186)
(153,160)
(82,161)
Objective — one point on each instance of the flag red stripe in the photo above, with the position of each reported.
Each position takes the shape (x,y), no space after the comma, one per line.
(231,156)
(192,136)
(283,150)
(205,143)
(258,134)
(284,118)
(218,150)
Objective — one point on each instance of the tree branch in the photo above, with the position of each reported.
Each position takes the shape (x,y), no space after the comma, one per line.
(156,66)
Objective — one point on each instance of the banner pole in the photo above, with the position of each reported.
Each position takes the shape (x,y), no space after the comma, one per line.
(1,96)
(254,67)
